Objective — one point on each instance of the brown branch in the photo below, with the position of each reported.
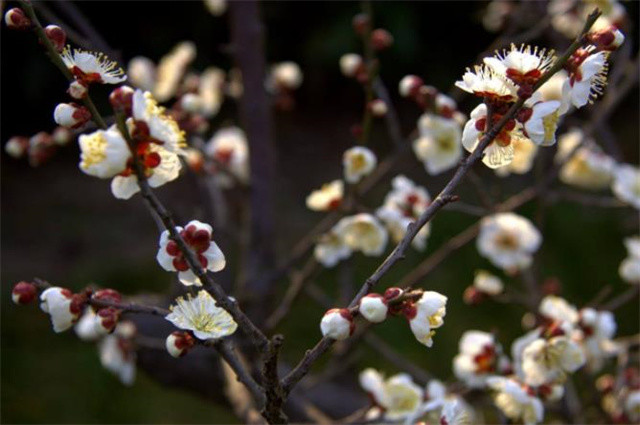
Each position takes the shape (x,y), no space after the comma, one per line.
(629,295)
(275,395)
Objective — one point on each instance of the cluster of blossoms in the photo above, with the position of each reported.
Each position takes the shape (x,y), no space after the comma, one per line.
(40,147)
(620,395)
(425,312)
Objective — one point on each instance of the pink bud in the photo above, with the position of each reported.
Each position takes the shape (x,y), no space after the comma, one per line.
(179,343)
(16,19)
(378,108)
(23,293)
(107,295)
(360,23)
(392,293)
(373,307)
(337,323)
(473,296)
(381,39)
(57,36)
(410,85)
(121,99)
(71,115)
(106,320)
(77,89)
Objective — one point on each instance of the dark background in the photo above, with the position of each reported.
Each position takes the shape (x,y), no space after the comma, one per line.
(62,225)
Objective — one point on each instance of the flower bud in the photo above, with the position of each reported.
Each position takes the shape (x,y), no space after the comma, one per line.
(378,108)
(473,296)
(23,293)
(16,19)
(41,148)
(360,23)
(607,39)
(71,115)
(63,307)
(106,320)
(57,36)
(191,103)
(337,323)
(381,39)
(373,307)
(17,146)
(194,159)
(107,295)
(61,136)
(410,85)
(392,293)
(350,64)
(121,99)
(77,90)
(179,343)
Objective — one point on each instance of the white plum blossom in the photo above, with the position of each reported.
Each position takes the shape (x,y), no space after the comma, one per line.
(117,353)
(287,75)
(358,162)
(142,73)
(230,149)
(568,16)
(588,168)
(155,125)
(71,115)
(597,328)
(477,359)
(171,69)
(454,412)
(439,145)
(515,402)
(587,77)
(427,314)
(630,267)
(331,249)
(517,349)
(626,184)
(548,361)
(483,81)
(103,153)
(500,151)
(557,309)
(540,127)
(398,396)
(508,241)
(373,307)
(210,91)
(202,316)
(337,323)
(522,65)
(524,152)
(86,326)
(328,197)
(197,236)
(350,64)
(363,232)
(59,304)
(487,283)
(552,88)
(216,7)
(89,67)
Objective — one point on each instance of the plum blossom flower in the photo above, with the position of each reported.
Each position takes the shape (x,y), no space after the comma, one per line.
(152,123)
(373,307)
(588,167)
(363,232)
(587,76)
(328,197)
(142,73)
(210,91)
(508,241)
(398,396)
(358,162)
(483,81)
(541,121)
(438,146)
(523,65)
(71,115)
(117,353)
(331,249)
(229,148)
(103,153)
(557,309)
(337,323)
(596,330)
(524,152)
(171,69)
(454,412)
(630,267)
(568,16)
(500,151)
(478,358)
(426,315)
(197,236)
(548,361)
(285,75)
(88,67)
(515,401)
(552,88)
(86,327)
(626,184)
(487,283)
(62,306)
(202,316)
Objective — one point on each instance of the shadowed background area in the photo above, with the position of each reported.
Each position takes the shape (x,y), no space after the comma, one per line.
(62,225)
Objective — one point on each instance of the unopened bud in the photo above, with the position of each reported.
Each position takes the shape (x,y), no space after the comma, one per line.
(106,320)
(57,36)
(350,64)
(410,85)
(473,296)
(17,146)
(23,293)
(337,323)
(360,23)
(107,294)
(381,39)
(179,343)
(77,90)
(607,39)
(191,103)
(392,293)
(61,136)
(378,108)
(71,115)
(16,19)
(605,383)
(121,99)
(373,307)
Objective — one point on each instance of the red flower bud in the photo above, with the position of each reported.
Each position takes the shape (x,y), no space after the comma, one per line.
(121,99)
(24,293)
(381,39)
(360,23)
(57,36)
(16,19)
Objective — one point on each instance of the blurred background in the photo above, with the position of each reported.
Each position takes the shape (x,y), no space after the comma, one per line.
(66,227)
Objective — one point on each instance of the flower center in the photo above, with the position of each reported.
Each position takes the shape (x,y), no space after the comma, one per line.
(506,241)
(94,153)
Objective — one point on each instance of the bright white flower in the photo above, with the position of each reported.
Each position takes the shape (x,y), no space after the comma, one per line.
(373,307)
(522,65)
(630,267)
(626,184)
(363,232)
(487,283)
(524,152)
(86,326)
(477,358)
(229,147)
(597,328)
(89,67)
(483,81)
(428,314)
(587,78)
(358,162)
(286,75)
(59,304)
(500,150)
(210,91)
(548,361)
(558,309)
(372,382)
(202,316)
(542,124)
(398,396)
(515,402)
(331,249)
(438,146)
(508,241)
(337,323)
(328,197)
(454,412)
(152,125)
(588,168)
(103,154)
(216,7)
(396,222)
(552,88)
(117,354)
(142,73)
(350,64)
(197,236)
(517,349)
(171,69)
(71,115)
